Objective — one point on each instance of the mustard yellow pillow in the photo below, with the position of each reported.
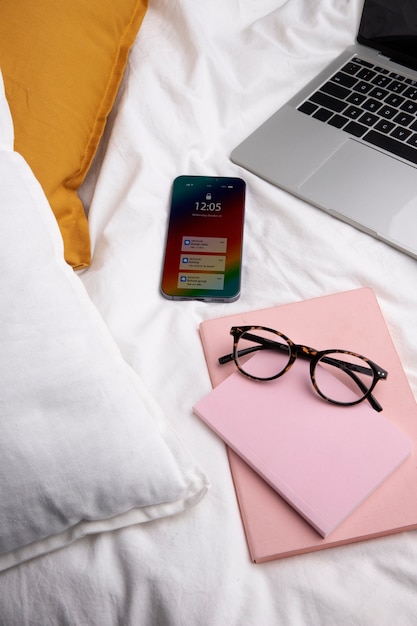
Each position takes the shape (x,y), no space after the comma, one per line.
(62,63)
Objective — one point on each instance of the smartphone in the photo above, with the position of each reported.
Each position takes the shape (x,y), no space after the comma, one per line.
(203,253)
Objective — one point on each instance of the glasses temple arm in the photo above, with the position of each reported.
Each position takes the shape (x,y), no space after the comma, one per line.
(264,344)
(352,367)
(230,357)
(309,353)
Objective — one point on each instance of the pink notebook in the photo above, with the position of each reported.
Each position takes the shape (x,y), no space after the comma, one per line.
(324,460)
(350,320)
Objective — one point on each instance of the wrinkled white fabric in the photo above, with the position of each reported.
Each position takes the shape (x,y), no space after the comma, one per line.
(201,77)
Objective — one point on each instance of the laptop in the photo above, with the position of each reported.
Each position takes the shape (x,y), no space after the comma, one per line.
(347,142)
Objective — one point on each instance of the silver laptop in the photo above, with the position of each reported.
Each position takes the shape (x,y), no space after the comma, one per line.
(347,142)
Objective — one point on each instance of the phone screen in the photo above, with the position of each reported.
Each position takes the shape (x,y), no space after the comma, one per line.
(204,241)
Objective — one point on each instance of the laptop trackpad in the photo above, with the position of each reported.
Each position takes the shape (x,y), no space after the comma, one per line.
(368,188)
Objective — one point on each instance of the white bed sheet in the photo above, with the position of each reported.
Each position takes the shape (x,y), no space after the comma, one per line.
(201,77)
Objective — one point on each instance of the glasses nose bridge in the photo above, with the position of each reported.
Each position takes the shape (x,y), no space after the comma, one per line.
(305,351)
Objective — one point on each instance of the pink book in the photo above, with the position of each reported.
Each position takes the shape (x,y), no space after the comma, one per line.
(349,320)
(324,460)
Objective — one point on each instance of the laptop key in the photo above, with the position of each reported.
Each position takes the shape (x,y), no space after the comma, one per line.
(343,79)
(336,90)
(391,145)
(353,112)
(372,105)
(323,115)
(387,111)
(356,98)
(385,126)
(362,87)
(328,102)
(381,81)
(338,121)
(378,92)
(351,68)
(362,62)
(356,129)
(366,74)
(396,76)
(394,100)
(411,93)
(368,119)
(404,119)
(381,70)
(413,140)
(401,133)
(308,108)
(396,86)
(409,106)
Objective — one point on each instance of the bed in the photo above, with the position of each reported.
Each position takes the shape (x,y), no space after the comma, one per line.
(118,505)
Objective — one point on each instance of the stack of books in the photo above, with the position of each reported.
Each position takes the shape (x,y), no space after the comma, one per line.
(308,474)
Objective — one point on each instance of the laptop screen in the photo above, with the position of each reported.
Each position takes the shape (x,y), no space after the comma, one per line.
(391,27)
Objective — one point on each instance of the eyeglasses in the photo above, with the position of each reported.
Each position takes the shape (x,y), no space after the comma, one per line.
(338,376)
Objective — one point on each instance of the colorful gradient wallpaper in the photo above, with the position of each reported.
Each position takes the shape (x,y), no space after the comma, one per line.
(204,241)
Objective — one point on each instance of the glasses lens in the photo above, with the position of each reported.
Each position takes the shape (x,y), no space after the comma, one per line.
(262,353)
(343,378)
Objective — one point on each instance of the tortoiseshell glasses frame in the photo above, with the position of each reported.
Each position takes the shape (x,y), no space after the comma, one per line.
(358,373)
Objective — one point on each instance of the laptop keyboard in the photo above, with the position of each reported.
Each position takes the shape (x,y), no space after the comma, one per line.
(370,102)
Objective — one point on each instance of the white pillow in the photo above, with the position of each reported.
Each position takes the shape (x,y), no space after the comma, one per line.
(83,448)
